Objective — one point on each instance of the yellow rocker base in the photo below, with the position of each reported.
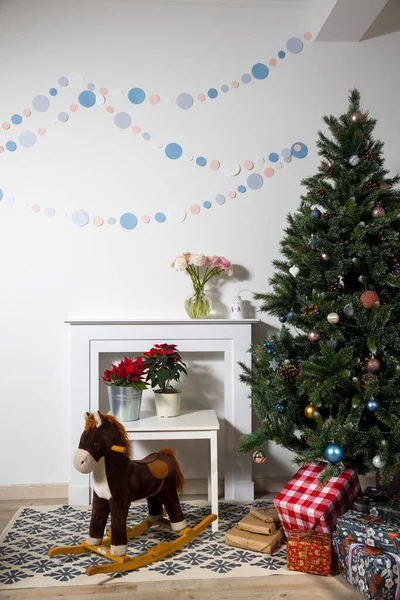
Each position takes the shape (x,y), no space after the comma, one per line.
(127,563)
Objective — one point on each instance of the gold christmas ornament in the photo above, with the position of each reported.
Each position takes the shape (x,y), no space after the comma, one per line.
(259,457)
(333,318)
(310,410)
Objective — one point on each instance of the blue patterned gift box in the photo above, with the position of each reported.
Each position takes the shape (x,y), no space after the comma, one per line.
(374,573)
(371,530)
(373,501)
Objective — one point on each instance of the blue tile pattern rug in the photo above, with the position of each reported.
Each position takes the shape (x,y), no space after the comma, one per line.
(24,562)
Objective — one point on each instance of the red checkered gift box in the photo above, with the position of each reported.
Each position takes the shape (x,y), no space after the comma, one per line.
(304,503)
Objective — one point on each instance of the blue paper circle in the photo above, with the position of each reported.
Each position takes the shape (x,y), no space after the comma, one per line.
(225,88)
(212,93)
(80,218)
(41,103)
(136,95)
(173,151)
(241,189)
(255,181)
(128,221)
(146,135)
(294,45)
(63,81)
(220,199)
(91,87)
(11,146)
(27,139)
(201,161)
(273,157)
(184,101)
(53,92)
(302,153)
(16,119)
(111,220)
(49,212)
(260,71)
(63,117)
(207,204)
(122,120)
(286,152)
(246,77)
(87,98)
(1,194)
(281,54)
(159,217)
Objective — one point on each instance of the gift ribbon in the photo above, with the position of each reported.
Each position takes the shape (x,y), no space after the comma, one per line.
(396,560)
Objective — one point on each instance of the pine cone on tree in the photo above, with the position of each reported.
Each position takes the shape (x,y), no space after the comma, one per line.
(370,185)
(372,156)
(320,192)
(367,379)
(335,286)
(328,214)
(311,309)
(288,372)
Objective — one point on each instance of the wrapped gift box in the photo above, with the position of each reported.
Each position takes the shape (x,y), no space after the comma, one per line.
(304,504)
(372,571)
(309,552)
(379,502)
(254,541)
(373,531)
(268,514)
(254,525)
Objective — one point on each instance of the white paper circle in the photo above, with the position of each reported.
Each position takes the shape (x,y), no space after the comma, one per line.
(232,169)
(260,161)
(117,93)
(177,216)
(189,157)
(100,99)
(157,144)
(278,165)
(168,101)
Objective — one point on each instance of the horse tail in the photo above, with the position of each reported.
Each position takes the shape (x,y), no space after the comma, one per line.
(180,480)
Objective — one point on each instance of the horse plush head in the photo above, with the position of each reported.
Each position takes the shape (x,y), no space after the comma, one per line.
(103,435)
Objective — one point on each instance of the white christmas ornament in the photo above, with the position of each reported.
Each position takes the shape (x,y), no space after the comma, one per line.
(294,271)
(354,160)
(377,462)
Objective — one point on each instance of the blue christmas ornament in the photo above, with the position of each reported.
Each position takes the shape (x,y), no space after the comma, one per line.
(290,314)
(270,351)
(280,407)
(372,405)
(315,213)
(267,345)
(332,344)
(283,318)
(333,453)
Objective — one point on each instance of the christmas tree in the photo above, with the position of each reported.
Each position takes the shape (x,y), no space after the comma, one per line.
(327,386)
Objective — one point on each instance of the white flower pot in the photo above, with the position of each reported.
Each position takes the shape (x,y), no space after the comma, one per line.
(168,404)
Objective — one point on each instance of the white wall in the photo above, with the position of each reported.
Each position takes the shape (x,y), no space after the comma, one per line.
(51,269)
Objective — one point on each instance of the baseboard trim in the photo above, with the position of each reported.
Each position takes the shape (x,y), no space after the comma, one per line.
(193,487)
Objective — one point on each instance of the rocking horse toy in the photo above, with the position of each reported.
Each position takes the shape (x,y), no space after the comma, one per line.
(104,450)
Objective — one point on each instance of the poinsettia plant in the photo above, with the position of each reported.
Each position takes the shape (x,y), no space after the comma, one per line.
(164,364)
(128,373)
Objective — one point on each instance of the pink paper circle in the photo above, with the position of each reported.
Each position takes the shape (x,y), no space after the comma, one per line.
(1,149)
(98,221)
(136,129)
(272,62)
(307,35)
(297,147)
(5,125)
(232,194)
(27,112)
(73,107)
(214,165)
(154,99)
(269,172)
(248,165)
(41,131)
(103,91)
(145,219)
(201,97)
(110,109)
(235,84)
(195,209)
(36,208)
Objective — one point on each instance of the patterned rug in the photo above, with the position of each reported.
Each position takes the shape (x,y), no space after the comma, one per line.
(24,562)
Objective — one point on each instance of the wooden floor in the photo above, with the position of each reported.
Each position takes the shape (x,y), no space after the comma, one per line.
(272,587)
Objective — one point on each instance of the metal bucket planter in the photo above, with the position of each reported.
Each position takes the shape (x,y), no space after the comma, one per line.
(124,402)
(168,404)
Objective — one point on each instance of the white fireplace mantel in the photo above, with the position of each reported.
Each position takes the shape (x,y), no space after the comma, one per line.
(92,337)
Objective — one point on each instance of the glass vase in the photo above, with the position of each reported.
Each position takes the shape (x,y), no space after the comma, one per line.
(198,305)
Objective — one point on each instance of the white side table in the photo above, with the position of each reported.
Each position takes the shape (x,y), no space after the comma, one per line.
(190,425)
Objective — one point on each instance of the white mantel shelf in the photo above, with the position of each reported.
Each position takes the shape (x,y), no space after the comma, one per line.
(92,337)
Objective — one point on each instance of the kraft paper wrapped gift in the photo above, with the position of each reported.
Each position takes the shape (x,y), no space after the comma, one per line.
(268,514)
(309,552)
(254,541)
(254,525)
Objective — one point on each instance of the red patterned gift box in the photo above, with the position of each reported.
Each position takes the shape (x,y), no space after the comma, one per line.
(309,552)
(304,504)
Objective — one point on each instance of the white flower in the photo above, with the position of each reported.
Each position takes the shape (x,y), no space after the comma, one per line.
(198,260)
(180,263)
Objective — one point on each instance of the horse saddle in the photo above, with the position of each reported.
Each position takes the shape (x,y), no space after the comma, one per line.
(158,468)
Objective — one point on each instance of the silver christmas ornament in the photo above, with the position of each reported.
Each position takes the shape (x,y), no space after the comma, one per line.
(377,462)
(348,310)
(354,160)
(259,457)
